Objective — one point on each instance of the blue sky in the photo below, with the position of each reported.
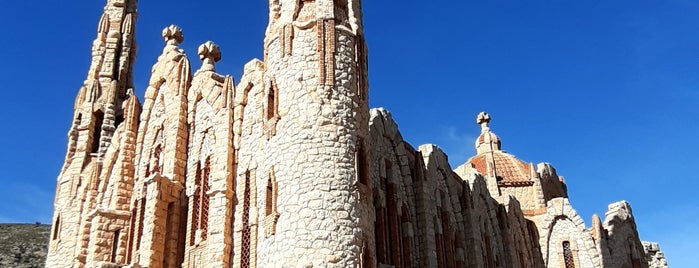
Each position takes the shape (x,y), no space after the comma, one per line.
(606,91)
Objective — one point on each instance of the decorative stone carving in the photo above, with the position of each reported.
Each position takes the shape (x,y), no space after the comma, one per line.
(173,35)
(209,53)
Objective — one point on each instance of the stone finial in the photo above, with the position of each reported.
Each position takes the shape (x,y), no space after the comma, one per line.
(483,119)
(173,35)
(209,53)
(209,50)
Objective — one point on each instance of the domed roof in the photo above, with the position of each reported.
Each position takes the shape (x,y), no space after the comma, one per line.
(491,161)
(505,167)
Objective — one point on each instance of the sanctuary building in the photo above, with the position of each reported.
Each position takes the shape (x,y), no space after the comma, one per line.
(288,167)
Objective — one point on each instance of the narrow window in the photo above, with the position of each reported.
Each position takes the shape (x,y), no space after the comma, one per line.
(170,235)
(271,214)
(360,59)
(568,255)
(245,239)
(115,245)
(141,218)
(272,101)
(380,233)
(392,225)
(78,121)
(269,198)
(204,217)
(56,227)
(97,131)
(361,162)
(195,205)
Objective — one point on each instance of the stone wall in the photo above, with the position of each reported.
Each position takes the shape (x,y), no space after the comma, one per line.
(440,219)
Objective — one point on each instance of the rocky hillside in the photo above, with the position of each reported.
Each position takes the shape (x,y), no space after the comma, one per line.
(23,245)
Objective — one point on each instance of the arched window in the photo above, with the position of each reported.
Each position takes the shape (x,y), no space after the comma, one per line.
(568,255)
(271,213)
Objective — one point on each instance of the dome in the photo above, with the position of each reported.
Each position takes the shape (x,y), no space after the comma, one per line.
(505,167)
(491,161)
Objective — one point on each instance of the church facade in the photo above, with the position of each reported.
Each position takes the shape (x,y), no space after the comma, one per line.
(288,167)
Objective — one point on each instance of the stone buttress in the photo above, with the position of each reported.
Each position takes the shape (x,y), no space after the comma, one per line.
(210,165)
(158,204)
(99,111)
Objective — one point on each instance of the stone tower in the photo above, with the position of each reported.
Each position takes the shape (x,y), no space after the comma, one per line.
(302,177)
(100,108)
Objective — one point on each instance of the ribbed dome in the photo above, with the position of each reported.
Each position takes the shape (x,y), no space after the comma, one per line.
(490,160)
(507,168)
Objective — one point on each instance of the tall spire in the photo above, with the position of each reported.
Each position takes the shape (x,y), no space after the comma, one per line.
(111,72)
(99,109)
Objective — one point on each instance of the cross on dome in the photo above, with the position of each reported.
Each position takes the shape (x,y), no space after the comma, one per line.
(483,119)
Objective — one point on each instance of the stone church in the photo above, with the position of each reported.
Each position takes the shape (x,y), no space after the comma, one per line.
(288,167)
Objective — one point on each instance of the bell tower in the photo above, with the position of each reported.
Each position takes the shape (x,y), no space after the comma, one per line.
(98,111)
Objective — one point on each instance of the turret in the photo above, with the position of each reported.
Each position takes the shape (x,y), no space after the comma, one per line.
(307,181)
